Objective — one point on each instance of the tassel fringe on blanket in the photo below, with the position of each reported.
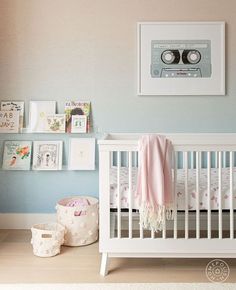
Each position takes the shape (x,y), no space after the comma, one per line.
(153,218)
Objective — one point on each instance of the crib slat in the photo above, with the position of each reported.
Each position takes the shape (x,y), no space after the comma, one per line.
(140,225)
(224,159)
(111,159)
(140,231)
(175,162)
(136,159)
(200,160)
(220,195)
(197,197)
(231,196)
(164,229)
(118,196)
(152,234)
(192,160)
(209,195)
(130,194)
(216,159)
(186,193)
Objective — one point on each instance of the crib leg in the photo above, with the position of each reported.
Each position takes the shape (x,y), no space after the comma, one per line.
(104,264)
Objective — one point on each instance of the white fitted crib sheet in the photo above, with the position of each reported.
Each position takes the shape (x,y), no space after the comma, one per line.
(203,196)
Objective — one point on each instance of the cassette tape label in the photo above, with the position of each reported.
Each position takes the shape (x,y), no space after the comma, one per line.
(181,58)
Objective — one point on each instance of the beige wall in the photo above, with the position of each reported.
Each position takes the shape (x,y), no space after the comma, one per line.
(60,49)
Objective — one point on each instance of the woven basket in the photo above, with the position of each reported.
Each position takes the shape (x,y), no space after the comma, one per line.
(47,239)
(81,222)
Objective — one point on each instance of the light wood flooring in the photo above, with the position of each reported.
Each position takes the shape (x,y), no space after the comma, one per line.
(81,264)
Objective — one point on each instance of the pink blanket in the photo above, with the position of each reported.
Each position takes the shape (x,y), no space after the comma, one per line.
(154,185)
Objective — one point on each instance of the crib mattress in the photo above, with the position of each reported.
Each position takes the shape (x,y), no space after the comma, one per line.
(203,195)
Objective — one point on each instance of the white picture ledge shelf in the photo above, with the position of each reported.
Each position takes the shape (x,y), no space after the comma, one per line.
(64,168)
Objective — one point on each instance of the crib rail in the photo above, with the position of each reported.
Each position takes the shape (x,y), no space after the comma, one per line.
(196,153)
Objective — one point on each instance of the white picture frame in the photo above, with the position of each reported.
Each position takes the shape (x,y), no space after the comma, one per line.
(78,124)
(47,155)
(81,154)
(158,78)
(38,110)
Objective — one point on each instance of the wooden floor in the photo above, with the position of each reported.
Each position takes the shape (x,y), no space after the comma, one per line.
(81,264)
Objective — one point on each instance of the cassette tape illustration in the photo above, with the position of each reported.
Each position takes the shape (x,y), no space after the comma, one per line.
(180,58)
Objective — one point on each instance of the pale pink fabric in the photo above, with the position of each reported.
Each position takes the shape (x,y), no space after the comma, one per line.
(81,203)
(154,185)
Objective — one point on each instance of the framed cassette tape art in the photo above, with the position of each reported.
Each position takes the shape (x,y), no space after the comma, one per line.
(181,58)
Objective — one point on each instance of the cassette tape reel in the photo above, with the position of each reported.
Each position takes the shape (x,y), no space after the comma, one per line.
(180,58)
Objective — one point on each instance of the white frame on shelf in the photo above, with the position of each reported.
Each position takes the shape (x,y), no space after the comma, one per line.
(85,148)
(59,154)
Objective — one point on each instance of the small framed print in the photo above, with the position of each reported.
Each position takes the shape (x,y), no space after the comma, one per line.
(79,124)
(47,155)
(55,123)
(38,110)
(81,154)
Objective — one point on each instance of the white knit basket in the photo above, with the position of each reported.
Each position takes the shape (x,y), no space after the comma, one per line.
(47,239)
(80,230)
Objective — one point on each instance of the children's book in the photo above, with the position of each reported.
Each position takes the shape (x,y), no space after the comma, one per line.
(47,155)
(55,123)
(9,121)
(14,106)
(81,154)
(77,108)
(17,155)
(38,111)
(79,124)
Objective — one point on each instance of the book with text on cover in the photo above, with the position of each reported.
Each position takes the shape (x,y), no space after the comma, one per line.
(77,108)
(14,106)
(17,155)
(9,121)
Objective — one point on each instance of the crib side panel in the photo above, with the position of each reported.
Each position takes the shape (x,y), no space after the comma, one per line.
(200,157)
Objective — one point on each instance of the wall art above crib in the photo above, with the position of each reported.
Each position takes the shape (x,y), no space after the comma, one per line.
(181,58)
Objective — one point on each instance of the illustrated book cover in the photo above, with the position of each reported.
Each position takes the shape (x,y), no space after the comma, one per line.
(38,111)
(9,121)
(47,155)
(79,124)
(15,106)
(81,154)
(55,123)
(17,155)
(77,108)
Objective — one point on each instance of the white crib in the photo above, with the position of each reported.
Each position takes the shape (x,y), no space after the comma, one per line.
(204,229)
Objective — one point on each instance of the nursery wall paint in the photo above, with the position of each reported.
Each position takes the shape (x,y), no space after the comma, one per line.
(86,49)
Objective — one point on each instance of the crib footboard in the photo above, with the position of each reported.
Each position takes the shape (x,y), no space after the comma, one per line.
(204,207)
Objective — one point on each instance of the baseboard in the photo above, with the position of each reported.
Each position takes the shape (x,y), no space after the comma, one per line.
(24,220)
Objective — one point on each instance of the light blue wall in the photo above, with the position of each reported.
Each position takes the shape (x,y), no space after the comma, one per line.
(77,49)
